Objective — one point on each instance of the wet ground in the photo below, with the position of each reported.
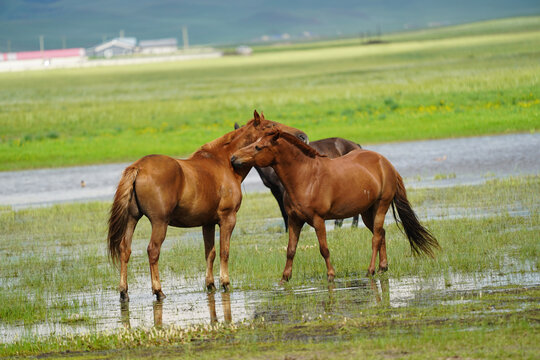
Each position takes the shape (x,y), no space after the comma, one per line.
(447,162)
(188,303)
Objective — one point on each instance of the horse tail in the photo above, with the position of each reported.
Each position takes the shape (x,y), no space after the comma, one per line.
(420,238)
(119,215)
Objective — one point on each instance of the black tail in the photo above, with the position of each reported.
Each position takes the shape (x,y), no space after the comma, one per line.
(420,238)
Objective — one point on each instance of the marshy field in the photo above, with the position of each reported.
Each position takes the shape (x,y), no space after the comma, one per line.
(479,298)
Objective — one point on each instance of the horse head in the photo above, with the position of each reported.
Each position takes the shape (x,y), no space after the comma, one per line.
(258,153)
(258,126)
(263,153)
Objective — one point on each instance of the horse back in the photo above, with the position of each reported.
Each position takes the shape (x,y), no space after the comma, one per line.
(366,170)
(334,147)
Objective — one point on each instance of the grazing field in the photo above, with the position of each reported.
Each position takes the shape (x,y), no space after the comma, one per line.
(461,81)
(478,298)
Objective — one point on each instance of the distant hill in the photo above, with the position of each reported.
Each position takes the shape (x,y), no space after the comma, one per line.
(86,23)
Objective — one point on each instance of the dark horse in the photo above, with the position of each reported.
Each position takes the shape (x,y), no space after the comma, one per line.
(318,188)
(203,190)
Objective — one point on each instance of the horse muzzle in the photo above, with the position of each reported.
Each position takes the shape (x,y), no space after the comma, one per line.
(236,163)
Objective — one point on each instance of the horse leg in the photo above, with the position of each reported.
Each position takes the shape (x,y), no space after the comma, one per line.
(355,221)
(226,228)
(320,230)
(210,254)
(125,253)
(159,230)
(295,226)
(338,223)
(278,194)
(378,239)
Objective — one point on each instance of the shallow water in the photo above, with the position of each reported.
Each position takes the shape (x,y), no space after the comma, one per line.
(463,161)
(187,303)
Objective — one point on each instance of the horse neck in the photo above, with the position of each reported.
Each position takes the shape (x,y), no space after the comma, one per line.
(294,168)
(222,148)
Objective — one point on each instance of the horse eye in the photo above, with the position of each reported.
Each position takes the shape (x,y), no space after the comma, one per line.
(257,148)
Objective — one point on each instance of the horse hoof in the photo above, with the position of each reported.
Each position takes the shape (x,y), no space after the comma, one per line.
(383,269)
(370,273)
(226,287)
(211,287)
(330,278)
(124,297)
(160,295)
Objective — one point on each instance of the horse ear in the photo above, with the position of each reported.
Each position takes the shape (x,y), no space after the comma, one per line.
(262,115)
(256,118)
(236,126)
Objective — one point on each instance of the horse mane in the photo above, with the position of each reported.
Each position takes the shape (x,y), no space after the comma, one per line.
(305,148)
(216,145)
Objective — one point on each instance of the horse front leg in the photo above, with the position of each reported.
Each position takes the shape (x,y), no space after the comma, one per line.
(226,228)
(210,254)
(159,230)
(320,230)
(295,226)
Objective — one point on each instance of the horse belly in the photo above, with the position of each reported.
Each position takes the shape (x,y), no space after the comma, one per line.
(353,199)
(194,211)
(183,218)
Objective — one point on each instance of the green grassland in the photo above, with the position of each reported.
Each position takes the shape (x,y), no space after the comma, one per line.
(469,81)
(51,253)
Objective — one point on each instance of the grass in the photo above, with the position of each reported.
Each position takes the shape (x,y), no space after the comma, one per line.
(57,274)
(459,83)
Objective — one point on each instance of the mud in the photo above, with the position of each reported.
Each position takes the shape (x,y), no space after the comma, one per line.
(422,163)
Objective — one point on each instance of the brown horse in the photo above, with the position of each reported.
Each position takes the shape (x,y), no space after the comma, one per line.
(203,190)
(318,188)
(331,147)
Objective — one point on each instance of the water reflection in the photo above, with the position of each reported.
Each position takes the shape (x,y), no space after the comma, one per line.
(225,303)
(158,313)
(158,308)
(124,314)
(384,283)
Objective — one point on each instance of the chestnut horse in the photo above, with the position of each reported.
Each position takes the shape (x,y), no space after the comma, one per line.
(318,188)
(203,190)
(331,147)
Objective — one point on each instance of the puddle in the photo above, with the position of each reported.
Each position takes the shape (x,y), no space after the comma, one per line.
(187,303)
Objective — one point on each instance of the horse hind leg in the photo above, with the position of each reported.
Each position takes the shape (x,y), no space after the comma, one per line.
(159,230)
(210,254)
(378,241)
(125,253)
(355,221)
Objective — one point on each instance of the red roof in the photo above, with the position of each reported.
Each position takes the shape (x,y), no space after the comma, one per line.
(49,54)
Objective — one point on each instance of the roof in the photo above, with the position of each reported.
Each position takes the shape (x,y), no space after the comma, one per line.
(126,43)
(158,43)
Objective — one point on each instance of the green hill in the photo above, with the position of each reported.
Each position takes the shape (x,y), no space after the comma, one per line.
(83,24)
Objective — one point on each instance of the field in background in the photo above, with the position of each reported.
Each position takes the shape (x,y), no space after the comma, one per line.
(460,81)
